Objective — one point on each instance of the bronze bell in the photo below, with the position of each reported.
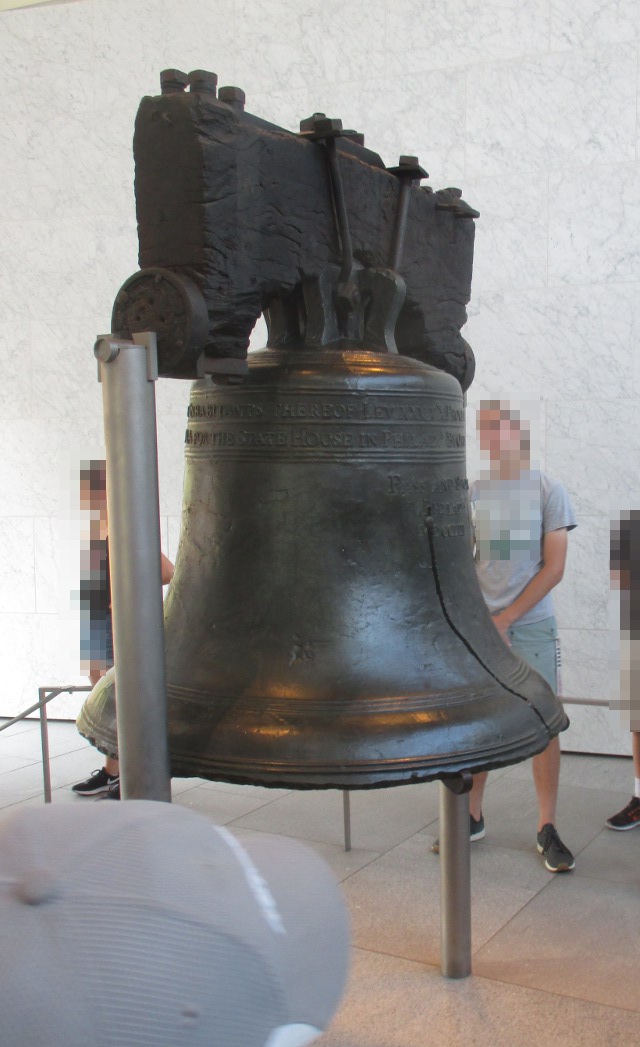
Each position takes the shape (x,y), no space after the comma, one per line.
(325,627)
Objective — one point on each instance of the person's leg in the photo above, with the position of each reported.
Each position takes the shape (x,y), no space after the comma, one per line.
(102,780)
(546,777)
(629,816)
(537,644)
(635,748)
(477,793)
(112,767)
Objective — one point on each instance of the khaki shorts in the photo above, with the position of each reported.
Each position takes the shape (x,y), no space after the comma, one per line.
(538,644)
(628,701)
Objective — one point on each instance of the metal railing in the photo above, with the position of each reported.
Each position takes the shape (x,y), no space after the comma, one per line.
(45,695)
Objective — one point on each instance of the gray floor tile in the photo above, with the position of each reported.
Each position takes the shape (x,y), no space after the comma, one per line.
(598,772)
(62,795)
(578,937)
(20,784)
(395,1003)
(246,790)
(19,727)
(183,785)
(395,901)
(12,763)
(66,768)
(613,857)
(220,807)
(344,863)
(380,818)
(28,744)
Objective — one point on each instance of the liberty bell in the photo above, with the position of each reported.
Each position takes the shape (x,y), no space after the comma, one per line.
(324,627)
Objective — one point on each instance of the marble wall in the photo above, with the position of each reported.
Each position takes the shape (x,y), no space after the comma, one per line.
(529,108)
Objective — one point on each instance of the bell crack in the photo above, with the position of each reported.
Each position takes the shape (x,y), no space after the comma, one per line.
(463,639)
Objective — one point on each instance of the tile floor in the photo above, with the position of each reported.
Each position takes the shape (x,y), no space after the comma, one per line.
(555,958)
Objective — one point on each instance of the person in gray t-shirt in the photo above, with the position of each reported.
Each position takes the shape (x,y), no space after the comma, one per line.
(521,519)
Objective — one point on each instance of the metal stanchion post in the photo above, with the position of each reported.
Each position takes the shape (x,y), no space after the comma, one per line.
(45,694)
(128,371)
(455,877)
(346,807)
(44,738)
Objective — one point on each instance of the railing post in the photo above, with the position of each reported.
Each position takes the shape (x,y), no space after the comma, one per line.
(44,740)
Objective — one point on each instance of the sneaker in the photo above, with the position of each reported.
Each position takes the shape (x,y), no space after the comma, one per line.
(98,782)
(476,832)
(557,857)
(627,818)
(113,792)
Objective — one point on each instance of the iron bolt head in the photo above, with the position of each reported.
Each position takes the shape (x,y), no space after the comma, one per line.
(409,168)
(234,96)
(202,80)
(320,126)
(173,81)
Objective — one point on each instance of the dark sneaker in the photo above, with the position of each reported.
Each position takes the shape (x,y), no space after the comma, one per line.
(114,791)
(627,818)
(476,832)
(557,857)
(98,782)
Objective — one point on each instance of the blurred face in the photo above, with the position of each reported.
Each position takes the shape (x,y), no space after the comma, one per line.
(500,437)
(93,495)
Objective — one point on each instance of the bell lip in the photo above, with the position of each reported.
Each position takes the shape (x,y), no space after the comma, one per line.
(362,775)
(352,780)
(404,771)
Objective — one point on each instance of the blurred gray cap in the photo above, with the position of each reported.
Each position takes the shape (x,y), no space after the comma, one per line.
(141,924)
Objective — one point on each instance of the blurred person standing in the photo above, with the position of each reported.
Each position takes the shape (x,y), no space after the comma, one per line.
(521,522)
(96,626)
(624,563)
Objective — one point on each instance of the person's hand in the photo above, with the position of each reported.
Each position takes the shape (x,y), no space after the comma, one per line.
(502,624)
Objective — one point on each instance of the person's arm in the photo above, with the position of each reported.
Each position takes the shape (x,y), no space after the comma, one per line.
(620,579)
(166,569)
(554,557)
(620,555)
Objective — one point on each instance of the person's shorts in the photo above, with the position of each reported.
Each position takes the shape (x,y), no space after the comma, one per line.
(538,644)
(628,698)
(96,641)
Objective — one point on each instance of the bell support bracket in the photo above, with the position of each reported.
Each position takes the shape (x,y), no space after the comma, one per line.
(455,876)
